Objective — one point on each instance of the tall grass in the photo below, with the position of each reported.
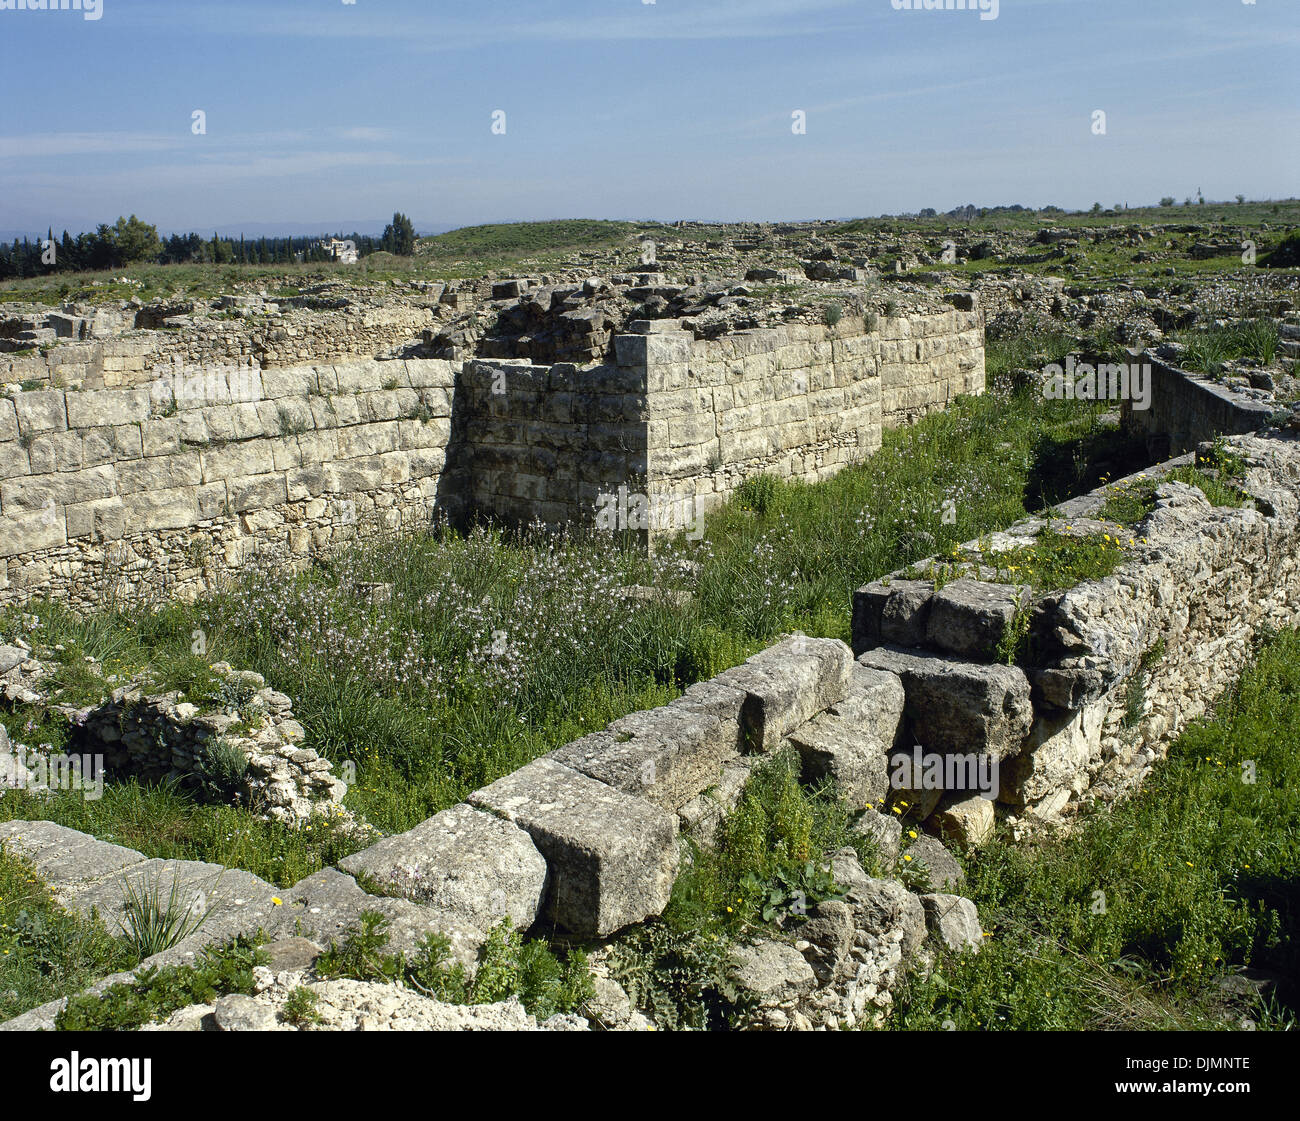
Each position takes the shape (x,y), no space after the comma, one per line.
(1129,922)
(495,648)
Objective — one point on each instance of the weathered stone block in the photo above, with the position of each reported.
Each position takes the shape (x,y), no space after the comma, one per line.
(850,742)
(612,857)
(967,819)
(40,410)
(969,618)
(954,922)
(666,755)
(960,707)
(896,613)
(97,409)
(31,531)
(788,684)
(464,862)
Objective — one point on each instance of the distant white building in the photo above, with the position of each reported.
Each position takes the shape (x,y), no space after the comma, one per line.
(344,252)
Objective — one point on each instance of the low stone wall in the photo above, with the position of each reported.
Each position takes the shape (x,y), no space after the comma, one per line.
(1117,667)
(164,488)
(1188,408)
(587,837)
(163,736)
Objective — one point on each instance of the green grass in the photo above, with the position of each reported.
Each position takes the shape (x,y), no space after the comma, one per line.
(1199,875)
(495,649)
(484,244)
(1210,348)
(1214,475)
(46,952)
(156,993)
(1055,561)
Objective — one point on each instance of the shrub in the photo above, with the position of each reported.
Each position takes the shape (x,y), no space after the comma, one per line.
(154,924)
(300,1008)
(220,773)
(758,493)
(156,993)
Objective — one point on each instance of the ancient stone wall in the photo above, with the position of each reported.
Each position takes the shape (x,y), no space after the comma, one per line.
(1187,408)
(76,357)
(927,360)
(1115,667)
(544,442)
(165,487)
(799,402)
(164,483)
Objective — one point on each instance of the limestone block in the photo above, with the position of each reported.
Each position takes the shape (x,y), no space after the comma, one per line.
(98,408)
(967,819)
(55,451)
(968,618)
(885,831)
(787,685)
(40,410)
(27,532)
(960,707)
(896,612)
(63,857)
(667,755)
(112,445)
(101,520)
(250,457)
(612,857)
(13,461)
(953,922)
(35,492)
(464,862)
(176,508)
(1056,756)
(850,742)
(161,472)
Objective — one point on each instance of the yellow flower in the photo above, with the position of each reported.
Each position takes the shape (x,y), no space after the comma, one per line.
(912,833)
(908,857)
(276,900)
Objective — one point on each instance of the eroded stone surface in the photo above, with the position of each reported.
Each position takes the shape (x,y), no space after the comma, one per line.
(612,857)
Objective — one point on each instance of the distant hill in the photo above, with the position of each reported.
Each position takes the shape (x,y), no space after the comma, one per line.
(524,238)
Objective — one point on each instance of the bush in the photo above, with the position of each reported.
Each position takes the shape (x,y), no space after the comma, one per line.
(155,993)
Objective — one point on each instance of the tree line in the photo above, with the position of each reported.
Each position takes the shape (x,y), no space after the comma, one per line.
(129,241)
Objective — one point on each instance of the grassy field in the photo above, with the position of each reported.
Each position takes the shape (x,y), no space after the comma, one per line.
(476,249)
(459,254)
(1276,214)
(1136,920)
(495,649)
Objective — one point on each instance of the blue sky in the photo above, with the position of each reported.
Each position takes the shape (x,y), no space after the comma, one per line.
(326,112)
